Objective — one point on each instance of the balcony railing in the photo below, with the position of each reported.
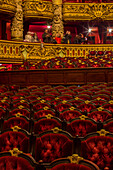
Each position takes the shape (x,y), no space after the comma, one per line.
(37,9)
(87,11)
(12,51)
(8,7)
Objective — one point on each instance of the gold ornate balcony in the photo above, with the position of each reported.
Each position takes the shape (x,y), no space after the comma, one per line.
(38,9)
(87,11)
(8,7)
(12,51)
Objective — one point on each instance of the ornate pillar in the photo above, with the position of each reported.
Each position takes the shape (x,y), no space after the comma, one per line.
(57,24)
(17,23)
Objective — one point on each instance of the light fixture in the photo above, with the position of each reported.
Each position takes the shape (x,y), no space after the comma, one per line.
(89,30)
(48,26)
(0,64)
(110,30)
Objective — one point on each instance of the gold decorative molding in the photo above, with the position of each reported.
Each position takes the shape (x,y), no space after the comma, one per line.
(17,22)
(102,132)
(56,130)
(38,9)
(83,117)
(87,11)
(15,128)
(15,152)
(75,158)
(13,51)
(8,7)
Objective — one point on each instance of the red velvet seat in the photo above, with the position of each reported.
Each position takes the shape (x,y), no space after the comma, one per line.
(46,123)
(2,112)
(21,103)
(14,139)
(23,111)
(83,96)
(31,97)
(100,115)
(62,106)
(15,160)
(42,113)
(4,104)
(51,145)
(65,97)
(102,96)
(98,148)
(98,102)
(108,106)
(86,107)
(12,121)
(68,115)
(69,164)
(108,125)
(81,126)
(39,106)
(76,101)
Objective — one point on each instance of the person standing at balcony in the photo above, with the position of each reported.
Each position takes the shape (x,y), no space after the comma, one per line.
(46,36)
(58,38)
(68,37)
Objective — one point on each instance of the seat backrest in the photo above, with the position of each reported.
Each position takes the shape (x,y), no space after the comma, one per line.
(53,144)
(98,148)
(15,139)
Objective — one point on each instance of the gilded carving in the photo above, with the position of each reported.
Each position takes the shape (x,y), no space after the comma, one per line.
(17,22)
(38,8)
(8,5)
(13,51)
(87,11)
(57,23)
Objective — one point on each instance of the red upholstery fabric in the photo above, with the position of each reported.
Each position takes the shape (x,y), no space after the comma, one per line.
(26,105)
(81,127)
(70,166)
(108,107)
(100,115)
(43,113)
(69,115)
(14,163)
(2,112)
(86,107)
(16,121)
(10,140)
(99,149)
(61,107)
(52,146)
(45,124)
(109,127)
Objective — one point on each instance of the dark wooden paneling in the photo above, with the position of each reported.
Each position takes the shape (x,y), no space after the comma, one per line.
(60,76)
(96,77)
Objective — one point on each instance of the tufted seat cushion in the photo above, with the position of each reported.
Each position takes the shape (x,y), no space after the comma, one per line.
(42,113)
(70,166)
(98,149)
(86,107)
(10,140)
(16,121)
(14,163)
(45,124)
(100,115)
(24,112)
(81,127)
(69,115)
(52,146)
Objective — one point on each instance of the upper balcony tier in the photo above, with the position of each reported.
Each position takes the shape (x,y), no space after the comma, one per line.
(87,11)
(38,9)
(8,7)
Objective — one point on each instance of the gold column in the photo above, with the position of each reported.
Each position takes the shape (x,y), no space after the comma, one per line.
(17,23)
(57,24)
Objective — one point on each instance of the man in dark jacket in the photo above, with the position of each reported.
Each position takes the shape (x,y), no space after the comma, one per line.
(68,37)
(46,36)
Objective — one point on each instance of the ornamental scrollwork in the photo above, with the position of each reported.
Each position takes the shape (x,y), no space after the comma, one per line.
(8,5)
(88,11)
(37,8)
